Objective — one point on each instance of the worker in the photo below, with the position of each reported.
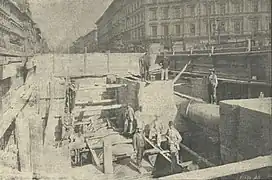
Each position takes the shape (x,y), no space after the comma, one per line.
(164,67)
(141,67)
(138,145)
(145,63)
(213,83)
(58,134)
(174,139)
(129,119)
(156,131)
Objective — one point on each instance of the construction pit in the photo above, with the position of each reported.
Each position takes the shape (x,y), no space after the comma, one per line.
(213,135)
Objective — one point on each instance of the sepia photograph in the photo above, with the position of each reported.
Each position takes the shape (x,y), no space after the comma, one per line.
(135,90)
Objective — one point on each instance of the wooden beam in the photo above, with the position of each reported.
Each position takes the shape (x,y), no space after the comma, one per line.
(98,108)
(107,149)
(94,157)
(91,103)
(208,163)
(102,86)
(224,170)
(181,72)
(160,150)
(100,145)
(189,97)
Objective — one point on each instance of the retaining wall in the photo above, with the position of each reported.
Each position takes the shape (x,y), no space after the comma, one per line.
(245,129)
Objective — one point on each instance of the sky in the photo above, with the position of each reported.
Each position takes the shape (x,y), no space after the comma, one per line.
(63,21)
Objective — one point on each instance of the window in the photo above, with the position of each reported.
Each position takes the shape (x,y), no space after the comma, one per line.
(208,9)
(237,7)
(165,30)
(153,14)
(237,27)
(192,29)
(254,4)
(192,10)
(222,26)
(254,25)
(165,13)
(207,28)
(222,8)
(177,27)
(154,30)
(177,12)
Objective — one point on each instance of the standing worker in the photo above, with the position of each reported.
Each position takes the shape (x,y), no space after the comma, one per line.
(156,131)
(138,145)
(141,67)
(213,82)
(174,139)
(145,63)
(129,119)
(164,67)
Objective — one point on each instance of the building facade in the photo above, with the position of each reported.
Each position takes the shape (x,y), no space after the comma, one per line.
(191,22)
(89,41)
(18,31)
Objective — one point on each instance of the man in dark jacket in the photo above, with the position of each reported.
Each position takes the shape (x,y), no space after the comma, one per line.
(213,83)
(164,65)
(138,145)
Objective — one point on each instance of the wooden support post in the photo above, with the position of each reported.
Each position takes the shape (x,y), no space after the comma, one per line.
(23,142)
(85,57)
(107,147)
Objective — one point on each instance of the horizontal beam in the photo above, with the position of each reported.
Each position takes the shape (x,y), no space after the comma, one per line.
(90,103)
(224,170)
(188,97)
(98,108)
(100,145)
(104,86)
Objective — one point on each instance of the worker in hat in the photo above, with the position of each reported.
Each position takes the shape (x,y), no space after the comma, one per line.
(174,139)
(156,129)
(129,119)
(213,83)
(165,63)
(138,145)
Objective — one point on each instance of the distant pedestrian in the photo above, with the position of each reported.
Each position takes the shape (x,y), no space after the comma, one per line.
(58,134)
(138,145)
(213,83)
(164,67)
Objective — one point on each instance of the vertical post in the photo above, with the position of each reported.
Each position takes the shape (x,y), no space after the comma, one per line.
(209,24)
(108,60)
(85,56)
(54,61)
(107,147)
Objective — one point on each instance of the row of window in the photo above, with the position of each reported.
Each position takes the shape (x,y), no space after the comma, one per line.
(237,28)
(134,6)
(136,19)
(137,34)
(192,10)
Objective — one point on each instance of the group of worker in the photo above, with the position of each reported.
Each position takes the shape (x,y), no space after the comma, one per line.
(135,125)
(145,63)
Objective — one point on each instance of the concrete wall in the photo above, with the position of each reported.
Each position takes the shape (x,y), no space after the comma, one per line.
(245,129)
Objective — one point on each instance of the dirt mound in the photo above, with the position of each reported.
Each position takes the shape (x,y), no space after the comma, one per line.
(157,99)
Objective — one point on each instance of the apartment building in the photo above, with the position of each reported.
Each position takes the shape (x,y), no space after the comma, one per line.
(89,41)
(192,22)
